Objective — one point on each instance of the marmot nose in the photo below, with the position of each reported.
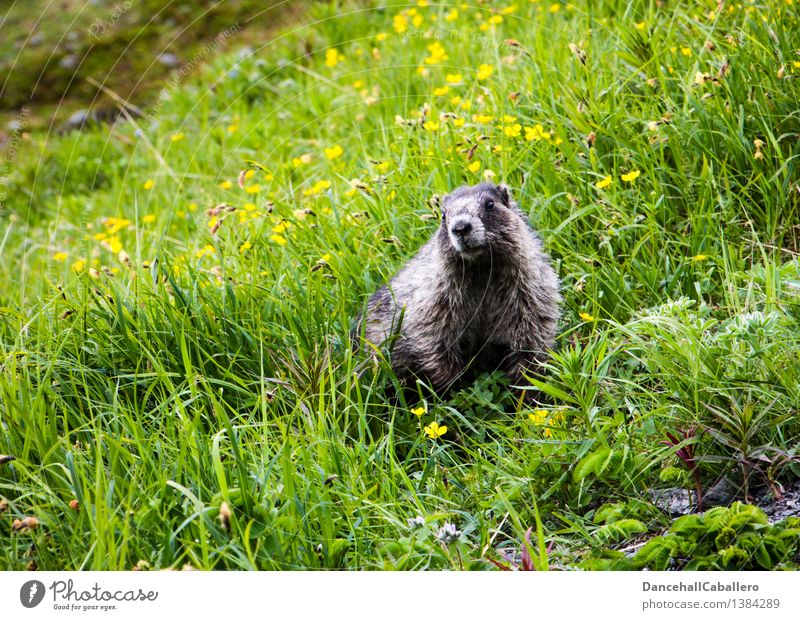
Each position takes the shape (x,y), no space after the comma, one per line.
(461,228)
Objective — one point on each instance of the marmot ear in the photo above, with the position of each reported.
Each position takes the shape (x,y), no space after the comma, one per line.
(504,194)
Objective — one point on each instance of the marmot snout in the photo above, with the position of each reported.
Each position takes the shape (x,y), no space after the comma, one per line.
(479,295)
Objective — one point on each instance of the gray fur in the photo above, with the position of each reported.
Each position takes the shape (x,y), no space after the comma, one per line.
(481,294)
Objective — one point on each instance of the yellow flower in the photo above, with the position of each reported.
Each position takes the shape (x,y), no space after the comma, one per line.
(400,23)
(536,132)
(206,249)
(381,36)
(383,166)
(317,188)
(603,183)
(113,244)
(485,72)
(149,218)
(253,189)
(281,227)
(555,8)
(60,257)
(586,317)
(148,184)
(419,411)
(332,57)
(512,131)
(458,122)
(417,20)
(482,118)
(232,128)
(278,239)
(113,226)
(434,431)
(437,54)
(244,247)
(333,152)
(79,265)
(699,258)
(439,92)
(177,137)
(454,78)
(302,160)
(431,126)
(686,51)
(538,416)
(225,185)
(631,176)
(509,119)
(451,16)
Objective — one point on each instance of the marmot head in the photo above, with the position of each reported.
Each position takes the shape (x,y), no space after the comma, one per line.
(479,221)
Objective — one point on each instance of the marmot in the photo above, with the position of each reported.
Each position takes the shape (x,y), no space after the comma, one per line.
(480,295)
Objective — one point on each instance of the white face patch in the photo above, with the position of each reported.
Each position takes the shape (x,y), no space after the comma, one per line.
(466,232)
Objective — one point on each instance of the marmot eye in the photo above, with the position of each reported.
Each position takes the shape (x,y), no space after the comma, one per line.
(488,205)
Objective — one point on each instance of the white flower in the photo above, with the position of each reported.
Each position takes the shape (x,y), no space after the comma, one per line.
(416,522)
(447,533)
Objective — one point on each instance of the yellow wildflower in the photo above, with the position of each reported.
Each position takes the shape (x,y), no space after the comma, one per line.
(439,92)
(699,258)
(586,317)
(631,176)
(280,240)
(400,23)
(253,189)
(333,152)
(485,72)
(79,265)
(434,431)
(149,218)
(317,188)
(419,411)
(332,57)
(437,54)
(177,137)
(474,166)
(451,16)
(482,118)
(603,183)
(60,257)
(148,184)
(206,249)
(225,185)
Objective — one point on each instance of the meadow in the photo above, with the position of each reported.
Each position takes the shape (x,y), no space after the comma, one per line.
(177,388)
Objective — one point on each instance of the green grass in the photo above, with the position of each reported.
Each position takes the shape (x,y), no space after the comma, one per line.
(161,365)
